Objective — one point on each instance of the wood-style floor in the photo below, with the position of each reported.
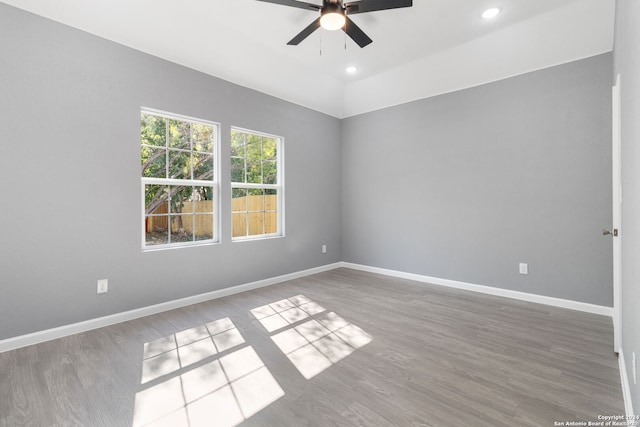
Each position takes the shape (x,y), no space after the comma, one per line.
(340,348)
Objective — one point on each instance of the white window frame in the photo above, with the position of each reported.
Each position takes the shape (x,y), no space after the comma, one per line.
(214,183)
(279,187)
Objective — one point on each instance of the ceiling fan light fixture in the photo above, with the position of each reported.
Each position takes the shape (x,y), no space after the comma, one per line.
(332,17)
(332,21)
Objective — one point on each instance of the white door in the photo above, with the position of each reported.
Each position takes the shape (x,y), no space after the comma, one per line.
(617,216)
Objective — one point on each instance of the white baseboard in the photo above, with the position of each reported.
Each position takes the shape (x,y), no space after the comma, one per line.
(75,328)
(626,390)
(490,290)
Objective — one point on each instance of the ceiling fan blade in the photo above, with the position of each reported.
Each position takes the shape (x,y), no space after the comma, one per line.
(374,5)
(305,33)
(356,33)
(294,3)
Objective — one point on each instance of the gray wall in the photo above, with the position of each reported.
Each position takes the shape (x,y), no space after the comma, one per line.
(69,163)
(466,185)
(461,186)
(627,64)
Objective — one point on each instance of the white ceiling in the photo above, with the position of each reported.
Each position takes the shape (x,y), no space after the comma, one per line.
(434,47)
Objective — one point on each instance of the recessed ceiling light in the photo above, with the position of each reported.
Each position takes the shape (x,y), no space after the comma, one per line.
(351,69)
(491,13)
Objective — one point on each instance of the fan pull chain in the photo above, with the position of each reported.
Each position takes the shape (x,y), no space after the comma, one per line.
(345,32)
(321,44)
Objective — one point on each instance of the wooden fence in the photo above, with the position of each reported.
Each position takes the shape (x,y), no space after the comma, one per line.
(201,225)
(260,213)
(263,219)
(158,223)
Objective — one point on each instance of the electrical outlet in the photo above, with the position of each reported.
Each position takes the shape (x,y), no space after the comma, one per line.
(103,286)
(324,249)
(524,268)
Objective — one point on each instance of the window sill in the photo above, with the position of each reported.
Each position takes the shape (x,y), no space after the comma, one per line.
(254,238)
(157,248)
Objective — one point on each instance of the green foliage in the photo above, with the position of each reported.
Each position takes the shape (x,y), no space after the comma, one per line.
(175,149)
(253,158)
(153,130)
(238,192)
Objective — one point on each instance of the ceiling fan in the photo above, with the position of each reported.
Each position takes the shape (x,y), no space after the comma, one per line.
(333,16)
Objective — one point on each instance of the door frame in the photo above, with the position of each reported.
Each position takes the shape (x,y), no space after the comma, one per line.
(616,181)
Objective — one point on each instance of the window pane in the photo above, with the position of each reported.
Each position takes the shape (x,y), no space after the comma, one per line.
(254,173)
(203,193)
(237,144)
(256,223)
(237,170)
(203,137)
(156,214)
(155,198)
(186,207)
(187,224)
(179,164)
(269,149)
(197,214)
(179,134)
(178,231)
(203,226)
(239,221)
(254,148)
(256,200)
(271,222)
(271,200)
(153,130)
(202,166)
(239,200)
(154,162)
(270,171)
(157,230)
(180,196)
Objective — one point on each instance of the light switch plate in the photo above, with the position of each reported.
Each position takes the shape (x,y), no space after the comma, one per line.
(103,286)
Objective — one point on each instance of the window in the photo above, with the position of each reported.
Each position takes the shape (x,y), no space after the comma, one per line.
(179,180)
(256,184)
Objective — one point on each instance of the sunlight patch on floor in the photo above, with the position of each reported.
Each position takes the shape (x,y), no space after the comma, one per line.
(203,376)
(285,312)
(311,338)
